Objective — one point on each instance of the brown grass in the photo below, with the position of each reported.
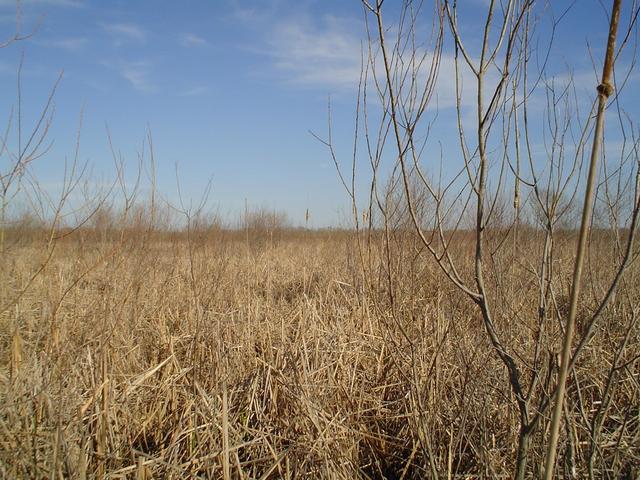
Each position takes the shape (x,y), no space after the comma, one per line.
(173,359)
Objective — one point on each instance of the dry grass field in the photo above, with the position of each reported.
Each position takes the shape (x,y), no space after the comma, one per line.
(476,317)
(311,355)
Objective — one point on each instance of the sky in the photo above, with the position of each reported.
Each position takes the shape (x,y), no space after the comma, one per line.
(228,89)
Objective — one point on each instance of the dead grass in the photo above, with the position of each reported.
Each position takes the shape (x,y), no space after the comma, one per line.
(164,359)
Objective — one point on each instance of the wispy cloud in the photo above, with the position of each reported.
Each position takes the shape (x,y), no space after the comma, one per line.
(137,73)
(125,32)
(72,44)
(312,55)
(241,11)
(194,91)
(327,54)
(304,50)
(192,40)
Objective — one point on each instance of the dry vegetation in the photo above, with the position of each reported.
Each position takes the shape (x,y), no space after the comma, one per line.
(143,357)
(433,338)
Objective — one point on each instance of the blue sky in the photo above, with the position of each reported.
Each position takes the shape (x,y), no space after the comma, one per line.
(229,89)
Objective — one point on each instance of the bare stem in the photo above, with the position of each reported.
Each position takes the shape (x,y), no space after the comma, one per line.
(605,89)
